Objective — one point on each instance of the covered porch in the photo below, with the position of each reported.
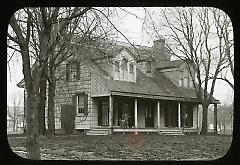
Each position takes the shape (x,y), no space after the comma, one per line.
(137,114)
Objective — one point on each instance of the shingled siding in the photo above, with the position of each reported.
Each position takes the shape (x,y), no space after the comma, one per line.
(98,84)
(65,91)
(92,82)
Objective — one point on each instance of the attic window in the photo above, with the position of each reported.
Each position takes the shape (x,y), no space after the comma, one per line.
(124,64)
(131,68)
(148,67)
(117,66)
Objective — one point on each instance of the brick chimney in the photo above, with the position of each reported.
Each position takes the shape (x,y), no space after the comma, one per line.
(159,45)
(158,49)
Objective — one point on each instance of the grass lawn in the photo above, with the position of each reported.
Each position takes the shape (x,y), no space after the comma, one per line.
(129,147)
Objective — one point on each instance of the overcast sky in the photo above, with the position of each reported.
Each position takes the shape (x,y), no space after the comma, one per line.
(132,28)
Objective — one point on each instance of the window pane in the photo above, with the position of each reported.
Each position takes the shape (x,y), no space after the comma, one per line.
(148,67)
(124,64)
(185,82)
(73,71)
(117,66)
(131,68)
(80,103)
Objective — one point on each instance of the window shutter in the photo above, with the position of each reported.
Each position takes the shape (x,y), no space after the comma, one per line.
(74,103)
(67,71)
(78,70)
(85,104)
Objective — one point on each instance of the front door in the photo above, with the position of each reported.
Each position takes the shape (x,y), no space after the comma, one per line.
(149,117)
(171,115)
(103,113)
(67,118)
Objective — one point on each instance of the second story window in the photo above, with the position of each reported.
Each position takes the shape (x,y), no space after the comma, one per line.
(73,71)
(148,67)
(131,68)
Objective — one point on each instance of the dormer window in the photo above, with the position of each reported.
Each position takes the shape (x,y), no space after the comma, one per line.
(117,69)
(148,67)
(185,82)
(131,68)
(124,64)
(124,68)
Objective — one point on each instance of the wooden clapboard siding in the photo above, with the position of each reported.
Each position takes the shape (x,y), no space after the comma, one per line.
(65,91)
(98,81)
(92,81)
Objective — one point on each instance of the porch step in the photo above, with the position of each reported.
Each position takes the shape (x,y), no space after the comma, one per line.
(97,131)
(172,132)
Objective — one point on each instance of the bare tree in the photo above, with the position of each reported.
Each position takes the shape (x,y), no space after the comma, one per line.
(14,112)
(224,24)
(29,27)
(82,32)
(45,35)
(196,36)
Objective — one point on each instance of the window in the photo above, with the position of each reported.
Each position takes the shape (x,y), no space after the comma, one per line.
(190,83)
(124,64)
(117,66)
(185,81)
(73,71)
(80,104)
(148,67)
(131,68)
(180,82)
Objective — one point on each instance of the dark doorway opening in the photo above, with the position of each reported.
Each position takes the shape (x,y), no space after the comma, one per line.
(171,114)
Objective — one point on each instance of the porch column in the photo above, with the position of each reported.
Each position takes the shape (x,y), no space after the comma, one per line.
(179,115)
(215,118)
(110,119)
(197,116)
(135,114)
(158,114)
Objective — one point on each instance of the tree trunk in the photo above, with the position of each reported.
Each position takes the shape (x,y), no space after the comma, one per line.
(215,119)
(204,130)
(41,106)
(32,143)
(51,104)
(14,118)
